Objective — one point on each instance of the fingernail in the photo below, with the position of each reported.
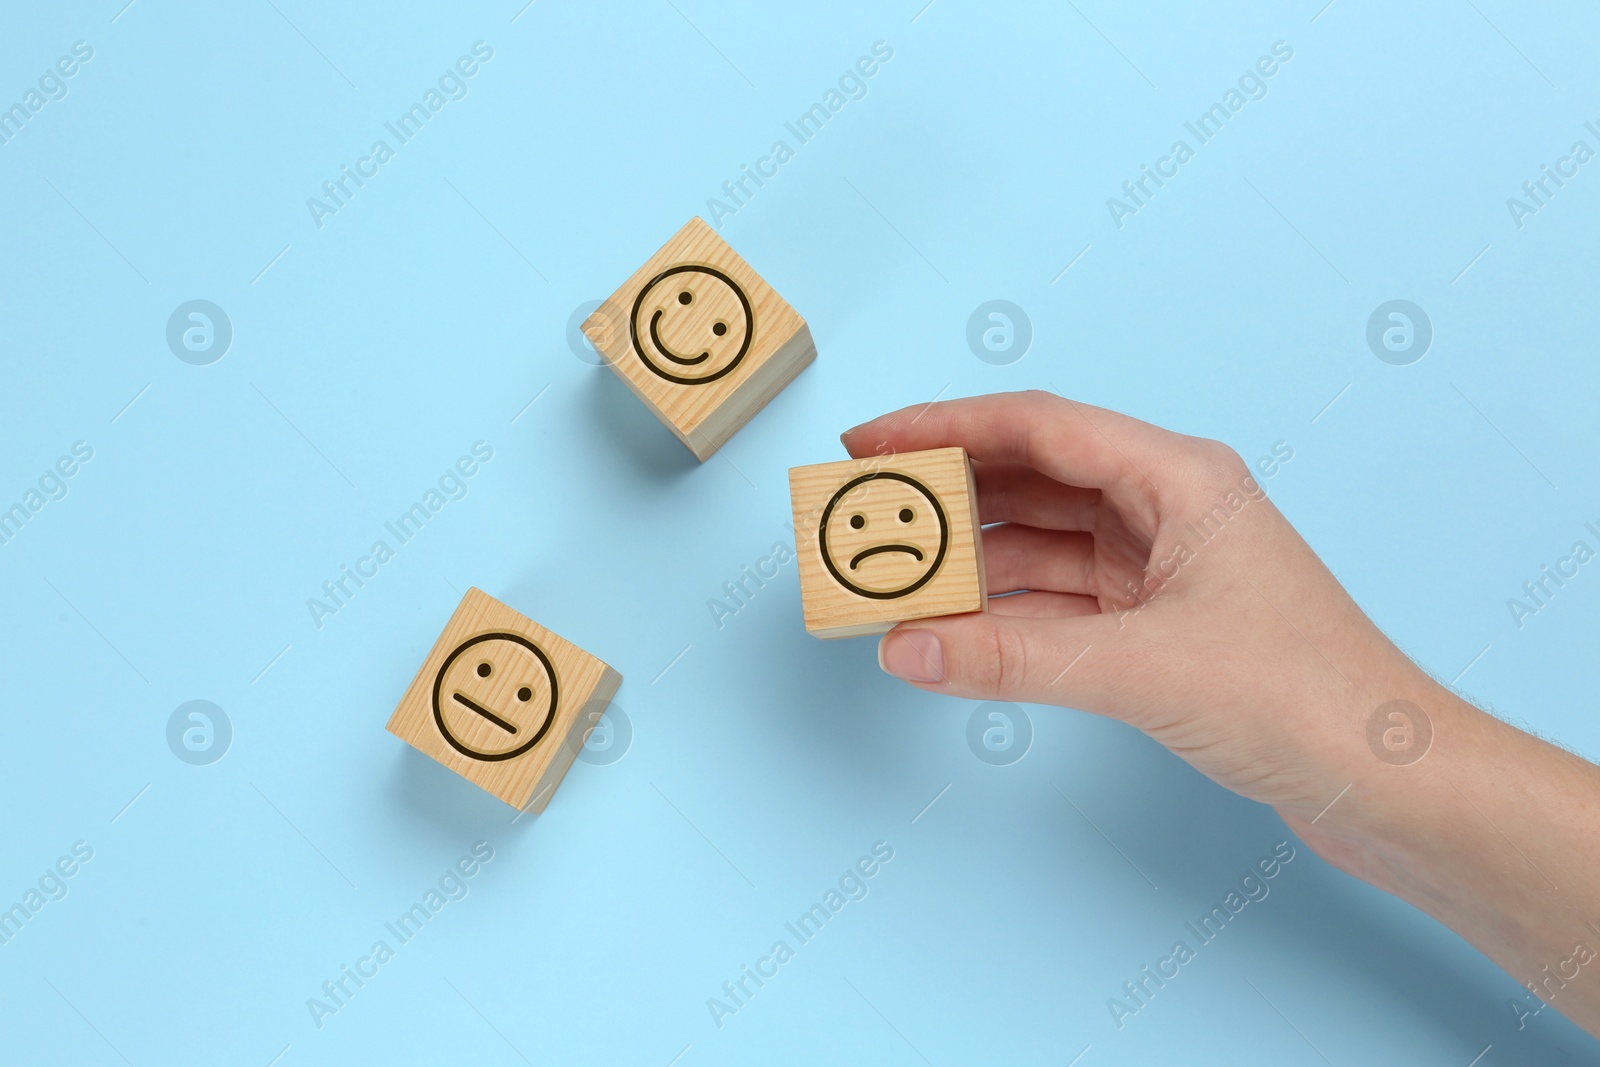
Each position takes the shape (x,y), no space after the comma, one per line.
(845,437)
(912,656)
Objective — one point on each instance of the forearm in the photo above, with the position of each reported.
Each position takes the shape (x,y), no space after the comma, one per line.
(1496,834)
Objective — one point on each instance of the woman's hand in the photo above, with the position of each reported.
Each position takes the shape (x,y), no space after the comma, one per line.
(1144,575)
(1153,582)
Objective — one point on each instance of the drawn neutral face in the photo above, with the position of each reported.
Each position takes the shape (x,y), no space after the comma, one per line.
(691,325)
(883,535)
(495,697)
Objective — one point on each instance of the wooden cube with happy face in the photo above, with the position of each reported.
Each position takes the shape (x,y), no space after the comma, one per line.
(701,338)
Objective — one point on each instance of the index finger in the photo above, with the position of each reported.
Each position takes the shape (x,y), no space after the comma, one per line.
(1073,443)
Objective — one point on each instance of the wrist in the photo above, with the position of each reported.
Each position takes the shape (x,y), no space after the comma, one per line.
(1489,831)
(1392,794)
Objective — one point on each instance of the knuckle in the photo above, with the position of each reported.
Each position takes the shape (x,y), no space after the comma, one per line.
(1007,661)
(1001,493)
(1216,464)
(1048,404)
(1223,458)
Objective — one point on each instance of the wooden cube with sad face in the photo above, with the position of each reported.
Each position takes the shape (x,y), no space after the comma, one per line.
(885,539)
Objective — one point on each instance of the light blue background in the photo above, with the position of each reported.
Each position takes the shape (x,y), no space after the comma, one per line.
(432,309)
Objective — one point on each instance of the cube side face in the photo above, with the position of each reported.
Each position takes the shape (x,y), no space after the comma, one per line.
(587,719)
(497,699)
(692,333)
(764,383)
(885,539)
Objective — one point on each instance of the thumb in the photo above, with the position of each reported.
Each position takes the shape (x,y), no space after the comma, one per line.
(990,656)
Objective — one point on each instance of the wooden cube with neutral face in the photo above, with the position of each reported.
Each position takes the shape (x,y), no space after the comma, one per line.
(700,338)
(885,539)
(504,702)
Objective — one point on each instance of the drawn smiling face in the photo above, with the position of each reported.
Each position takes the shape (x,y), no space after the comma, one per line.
(883,535)
(692,325)
(495,697)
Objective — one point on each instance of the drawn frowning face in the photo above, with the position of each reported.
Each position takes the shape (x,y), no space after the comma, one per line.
(883,535)
(692,325)
(495,696)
